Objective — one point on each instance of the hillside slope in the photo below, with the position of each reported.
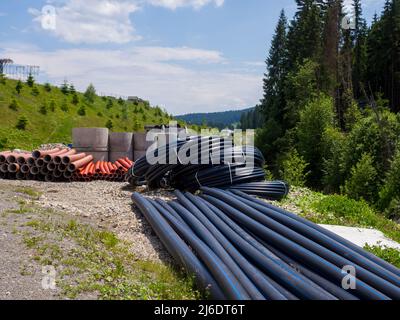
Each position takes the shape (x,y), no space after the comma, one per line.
(51,114)
(220,120)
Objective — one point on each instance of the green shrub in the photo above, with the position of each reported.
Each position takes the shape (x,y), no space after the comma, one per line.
(315,119)
(64,106)
(19,87)
(52,106)
(109,125)
(90,93)
(363,182)
(391,185)
(65,88)
(30,81)
(22,123)
(293,169)
(390,255)
(334,143)
(47,87)
(72,89)
(109,104)
(268,174)
(341,210)
(75,99)
(82,111)
(376,138)
(3,143)
(14,105)
(35,91)
(99,114)
(393,211)
(2,79)
(43,109)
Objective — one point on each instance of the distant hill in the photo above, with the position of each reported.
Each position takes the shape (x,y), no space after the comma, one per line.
(49,114)
(220,120)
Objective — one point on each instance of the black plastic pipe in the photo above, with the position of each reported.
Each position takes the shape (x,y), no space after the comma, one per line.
(178,248)
(314,259)
(322,239)
(328,233)
(223,275)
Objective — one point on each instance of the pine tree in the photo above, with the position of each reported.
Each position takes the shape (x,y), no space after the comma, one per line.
(30,81)
(360,50)
(72,89)
(18,87)
(90,93)
(65,87)
(304,37)
(109,124)
(330,55)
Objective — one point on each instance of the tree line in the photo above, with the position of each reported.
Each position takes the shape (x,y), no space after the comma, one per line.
(329,116)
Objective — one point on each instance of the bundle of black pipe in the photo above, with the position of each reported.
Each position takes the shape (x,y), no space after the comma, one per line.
(243,248)
(209,161)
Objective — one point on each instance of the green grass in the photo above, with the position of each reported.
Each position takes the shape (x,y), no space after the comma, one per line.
(31,192)
(388,254)
(57,126)
(89,260)
(340,210)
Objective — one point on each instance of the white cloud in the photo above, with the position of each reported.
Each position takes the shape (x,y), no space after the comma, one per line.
(93,21)
(153,73)
(174,4)
(105,21)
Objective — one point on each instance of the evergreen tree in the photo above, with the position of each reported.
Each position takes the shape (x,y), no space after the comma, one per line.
(72,89)
(90,93)
(305,32)
(360,50)
(18,87)
(47,87)
(22,123)
(65,87)
(75,99)
(30,81)
(109,124)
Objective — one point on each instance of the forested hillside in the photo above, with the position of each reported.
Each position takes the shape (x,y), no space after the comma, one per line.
(220,120)
(33,114)
(331,102)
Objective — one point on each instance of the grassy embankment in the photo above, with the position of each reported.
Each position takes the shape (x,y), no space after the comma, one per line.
(51,114)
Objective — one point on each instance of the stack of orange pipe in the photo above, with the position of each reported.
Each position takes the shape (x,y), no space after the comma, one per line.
(102,170)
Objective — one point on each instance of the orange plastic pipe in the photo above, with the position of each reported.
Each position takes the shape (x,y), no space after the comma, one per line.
(98,170)
(80,163)
(41,153)
(73,158)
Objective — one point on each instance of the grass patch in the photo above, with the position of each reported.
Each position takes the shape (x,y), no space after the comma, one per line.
(31,192)
(93,261)
(340,210)
(388,254)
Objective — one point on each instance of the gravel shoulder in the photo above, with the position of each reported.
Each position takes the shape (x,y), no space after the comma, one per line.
(102,205)
(108,204)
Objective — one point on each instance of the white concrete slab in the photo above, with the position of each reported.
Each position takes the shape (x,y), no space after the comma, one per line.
(361,237)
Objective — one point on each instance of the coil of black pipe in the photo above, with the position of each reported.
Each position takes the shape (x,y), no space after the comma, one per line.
(207,161)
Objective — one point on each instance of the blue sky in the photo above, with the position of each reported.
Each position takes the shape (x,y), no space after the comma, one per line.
(184,55)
